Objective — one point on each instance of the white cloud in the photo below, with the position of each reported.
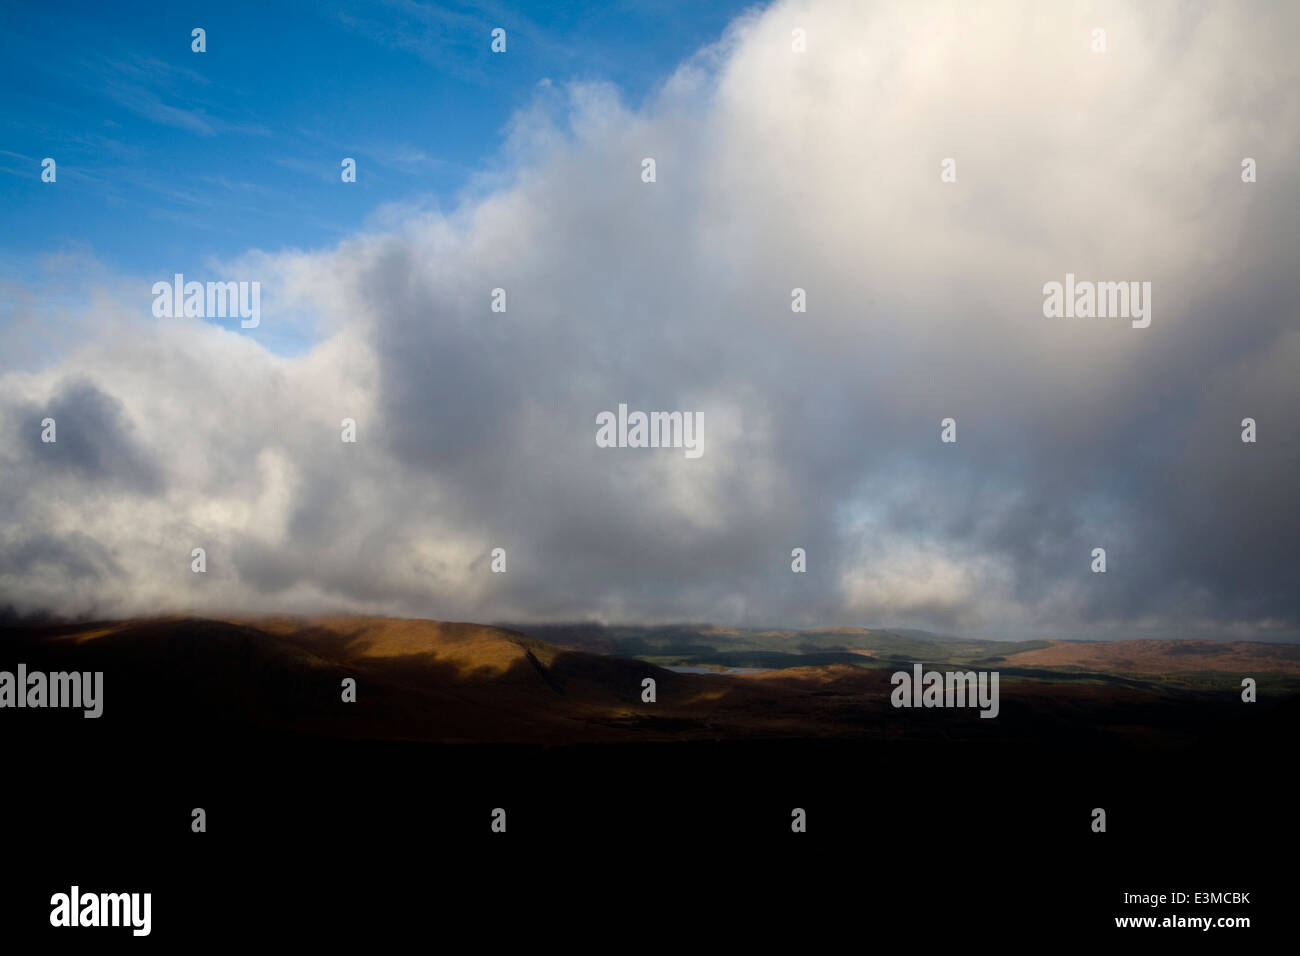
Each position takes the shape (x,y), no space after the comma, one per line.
(775,170)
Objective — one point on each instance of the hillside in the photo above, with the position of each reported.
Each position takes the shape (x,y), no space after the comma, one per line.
(705,645)
(1164,657)
(457,683)
(708,646)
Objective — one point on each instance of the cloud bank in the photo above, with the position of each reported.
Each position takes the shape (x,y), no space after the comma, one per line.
(775,170)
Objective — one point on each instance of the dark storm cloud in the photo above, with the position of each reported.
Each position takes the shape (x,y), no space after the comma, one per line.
(74,556)
(93,441)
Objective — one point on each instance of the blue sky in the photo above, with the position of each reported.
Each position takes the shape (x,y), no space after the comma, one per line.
(168,158)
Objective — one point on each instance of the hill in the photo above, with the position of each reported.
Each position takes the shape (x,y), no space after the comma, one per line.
(457,683)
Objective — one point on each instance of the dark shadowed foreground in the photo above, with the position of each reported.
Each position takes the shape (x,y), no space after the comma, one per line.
(327,817)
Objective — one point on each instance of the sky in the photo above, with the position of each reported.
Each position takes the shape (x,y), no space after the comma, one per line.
(168,155)
(776,168)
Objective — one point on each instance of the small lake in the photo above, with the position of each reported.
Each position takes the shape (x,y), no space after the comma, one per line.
(718,670)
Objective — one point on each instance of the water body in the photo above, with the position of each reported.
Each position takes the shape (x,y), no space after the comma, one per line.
(680,669)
